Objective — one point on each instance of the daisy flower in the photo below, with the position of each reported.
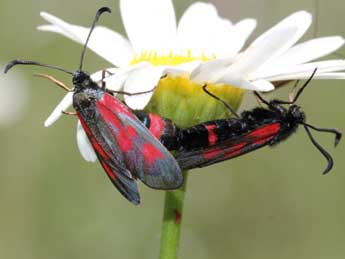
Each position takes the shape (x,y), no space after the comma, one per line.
(202,48)
(156,45)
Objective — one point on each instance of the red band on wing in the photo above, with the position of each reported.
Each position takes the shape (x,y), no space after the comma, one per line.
(235,150)
(212,154)
(268,130)
(92,139)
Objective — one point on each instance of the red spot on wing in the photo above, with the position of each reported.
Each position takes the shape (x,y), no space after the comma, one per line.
(115,105)
(212,137)
(263,132)
(124,142)
(131,131)
(156,125)
(151,153)
(123,134)
(108,115)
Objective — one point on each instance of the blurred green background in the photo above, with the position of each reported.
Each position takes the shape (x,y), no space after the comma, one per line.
(273,203)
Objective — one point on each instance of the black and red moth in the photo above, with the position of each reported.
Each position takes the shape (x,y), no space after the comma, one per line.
(124,146)
(215,141)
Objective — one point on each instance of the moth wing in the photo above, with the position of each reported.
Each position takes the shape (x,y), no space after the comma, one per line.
(145,157)
(110,157)
(228,149)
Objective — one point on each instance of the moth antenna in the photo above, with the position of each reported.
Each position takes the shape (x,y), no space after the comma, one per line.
(321,149)
(336,132)
(98,14)
(261,98)
(228,106)
(26,62)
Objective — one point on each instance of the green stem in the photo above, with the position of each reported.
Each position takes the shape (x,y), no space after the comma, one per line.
(172,220)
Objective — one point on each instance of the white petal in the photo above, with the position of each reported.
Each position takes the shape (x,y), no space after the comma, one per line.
(184,69)
(150,24)
(84,145)
(98,76)
(262,51)
(116,81)
(108,44)
(263,85)
(141,80)
(300,20)
(209,71)
(203,32)
(238,81)
(281,73)
(241,32)
(308,51)
(65,103)
(328,76)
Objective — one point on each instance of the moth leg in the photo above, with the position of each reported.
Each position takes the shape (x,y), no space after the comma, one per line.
(292,93)
(104,71)
(69,113)
(55,81)
(228,106)
(258,100)
(131,94)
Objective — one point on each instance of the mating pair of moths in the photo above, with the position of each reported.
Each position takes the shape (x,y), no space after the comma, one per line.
(134,144)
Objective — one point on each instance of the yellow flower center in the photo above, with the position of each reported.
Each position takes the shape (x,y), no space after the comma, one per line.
(170,59)
(184,101)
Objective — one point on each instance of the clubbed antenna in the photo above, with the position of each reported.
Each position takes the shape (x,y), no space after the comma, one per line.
(318,146)
(25,62)
(98,14)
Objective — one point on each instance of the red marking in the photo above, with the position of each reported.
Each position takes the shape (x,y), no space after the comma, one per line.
(115,106)
(235,150)
(108,115)
(263,141)
(178,217)
(98,148)
(83,123)
(124,142)
(212,137)
(131,131)
(156,125)
(151,153)
(266,131)
(92,139)
(108,171)
(212,153)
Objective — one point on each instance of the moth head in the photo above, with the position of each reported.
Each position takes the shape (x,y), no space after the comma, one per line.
(295,112)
